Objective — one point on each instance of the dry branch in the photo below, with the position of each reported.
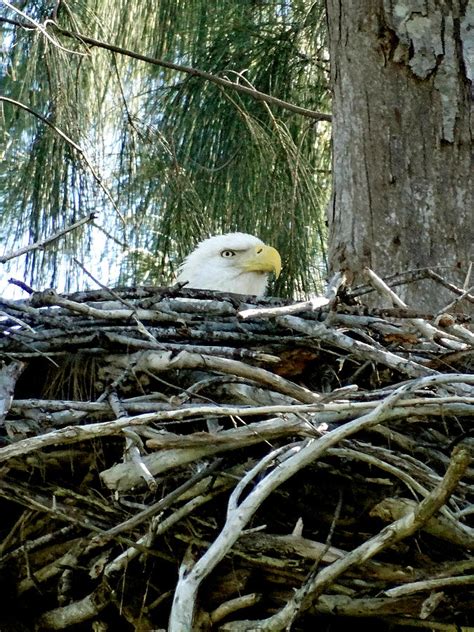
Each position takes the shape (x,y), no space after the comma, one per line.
(164,442)
(395,532)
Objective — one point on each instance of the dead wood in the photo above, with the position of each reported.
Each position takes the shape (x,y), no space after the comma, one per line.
(188,460)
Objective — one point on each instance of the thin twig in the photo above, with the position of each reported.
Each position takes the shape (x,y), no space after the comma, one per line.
(75,146)
(450,286)
(37,245)
(256,94)
(40,27)
(271,312)
(426,329)
(430,584)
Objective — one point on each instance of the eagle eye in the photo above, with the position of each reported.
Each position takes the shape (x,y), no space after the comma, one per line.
(228,253)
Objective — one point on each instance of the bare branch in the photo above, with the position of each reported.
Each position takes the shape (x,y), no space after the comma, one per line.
(395,532)
(256,94)
(37,245)
(40,27)
(74,145)
(430,584)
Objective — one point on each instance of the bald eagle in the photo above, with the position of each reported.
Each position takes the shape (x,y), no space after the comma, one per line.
(235,262)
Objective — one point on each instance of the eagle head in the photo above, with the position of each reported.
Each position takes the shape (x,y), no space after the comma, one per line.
(235,262)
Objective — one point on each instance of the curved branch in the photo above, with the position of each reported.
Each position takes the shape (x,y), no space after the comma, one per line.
(256,94)
(394,532)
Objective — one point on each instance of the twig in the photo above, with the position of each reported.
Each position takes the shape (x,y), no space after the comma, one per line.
(232,353)
(21,284)
(467,279)
(47,240)
(74,434)
(132,443)
(395,532)
(429,584)
(76,612)
(256,94)
(123,477)
(40,27)
(157,507)
(80,151)
(297,457)
(411,276)
(34,544)
(141,327)
(271,312)
(444,527)
(457,300)
(238,515)
(159,526)
(313,304)
(50,297)
(233,605)
(363,350)
(155,361)
(450,286)
(426,329)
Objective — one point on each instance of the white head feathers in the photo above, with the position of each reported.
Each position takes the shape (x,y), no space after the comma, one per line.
(235,262)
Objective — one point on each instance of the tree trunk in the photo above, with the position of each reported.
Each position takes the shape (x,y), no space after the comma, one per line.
(402,76)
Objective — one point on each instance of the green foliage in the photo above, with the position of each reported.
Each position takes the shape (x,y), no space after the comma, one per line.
(181,157)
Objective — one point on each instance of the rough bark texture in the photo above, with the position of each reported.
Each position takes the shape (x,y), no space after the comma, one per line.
(403,139)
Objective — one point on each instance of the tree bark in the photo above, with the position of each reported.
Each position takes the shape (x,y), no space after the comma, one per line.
(403,124)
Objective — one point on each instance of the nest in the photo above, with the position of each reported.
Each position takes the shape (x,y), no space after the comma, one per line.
(187,460)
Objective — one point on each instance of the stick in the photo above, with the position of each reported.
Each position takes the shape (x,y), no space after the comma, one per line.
(426,329)
(256,94)
(156,361)
(450,286)
(75,434)
(429,584)
(47,240)
(132,444)
(363,350)
(297,457)
(396,531)
(271,312)
(81,152)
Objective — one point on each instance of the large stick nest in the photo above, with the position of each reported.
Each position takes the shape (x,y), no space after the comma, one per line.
(173,456)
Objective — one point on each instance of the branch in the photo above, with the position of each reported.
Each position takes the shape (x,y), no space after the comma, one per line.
(426,329)
(37,245)
(364,350)
(326,413)
(315,303)
(76,612)
(123,476)
(238,515)
(450,286)
(398,530)
(37,26)
(430,584)
(256,94)
(296,457)
(75,146)
(164,361)
(272,312)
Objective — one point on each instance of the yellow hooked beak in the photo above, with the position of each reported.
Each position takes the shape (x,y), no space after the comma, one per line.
(263,259)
